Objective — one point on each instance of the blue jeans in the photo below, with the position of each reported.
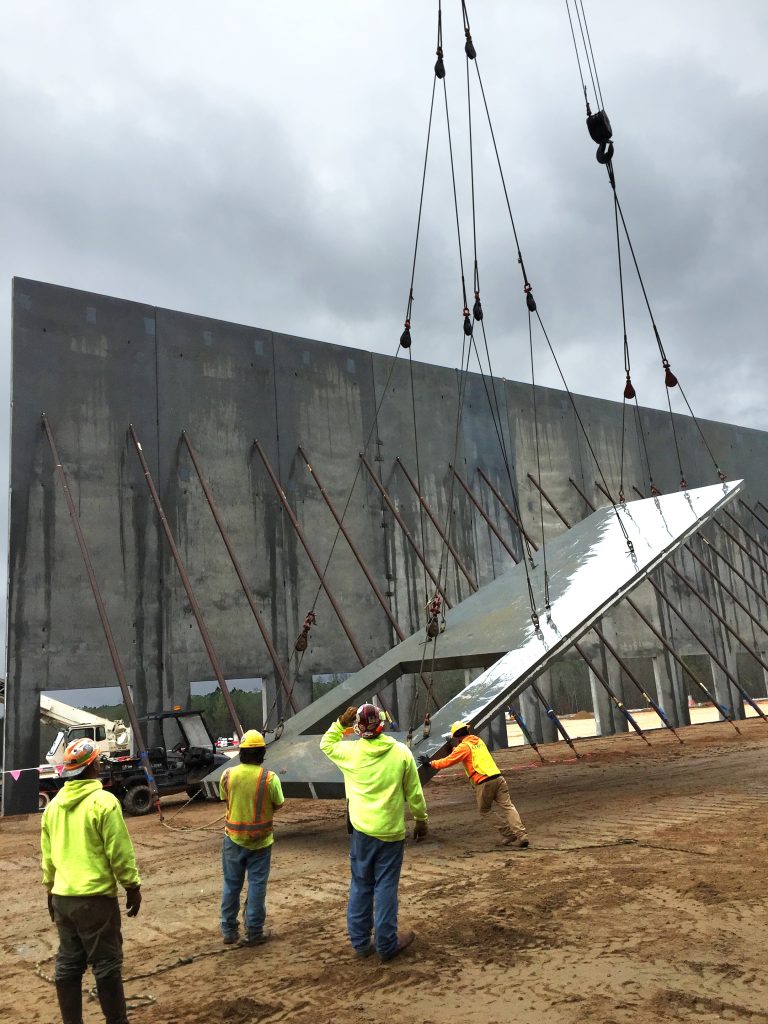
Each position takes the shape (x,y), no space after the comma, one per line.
(372,903)
(236,861)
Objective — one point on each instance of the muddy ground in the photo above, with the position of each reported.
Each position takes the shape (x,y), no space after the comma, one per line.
(583,927)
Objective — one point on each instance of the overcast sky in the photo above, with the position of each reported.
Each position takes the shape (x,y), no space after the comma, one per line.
(260,162)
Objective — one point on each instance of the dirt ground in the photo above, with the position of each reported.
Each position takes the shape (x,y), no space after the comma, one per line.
(583,927)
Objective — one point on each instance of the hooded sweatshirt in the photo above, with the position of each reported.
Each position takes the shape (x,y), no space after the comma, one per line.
(380,775)
(85,844)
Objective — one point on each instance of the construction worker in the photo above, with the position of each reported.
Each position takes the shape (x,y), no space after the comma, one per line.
(253,794)
(380,776)
(87,852)
(489,784)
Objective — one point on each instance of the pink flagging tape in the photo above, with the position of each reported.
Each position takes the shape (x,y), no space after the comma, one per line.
(16,772)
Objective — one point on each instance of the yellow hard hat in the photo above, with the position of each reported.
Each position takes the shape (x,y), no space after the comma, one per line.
(252,738)
(458,725)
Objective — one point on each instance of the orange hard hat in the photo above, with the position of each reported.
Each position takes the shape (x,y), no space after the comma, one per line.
(78,755)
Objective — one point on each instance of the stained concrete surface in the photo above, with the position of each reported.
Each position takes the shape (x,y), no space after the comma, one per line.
(95,363)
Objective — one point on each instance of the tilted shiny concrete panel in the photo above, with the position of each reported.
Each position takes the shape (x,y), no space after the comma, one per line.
(590,568)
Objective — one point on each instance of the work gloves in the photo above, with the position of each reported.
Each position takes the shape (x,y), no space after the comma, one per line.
(420,830)
(50,905)
(133,901)
(423,760)
(348,718)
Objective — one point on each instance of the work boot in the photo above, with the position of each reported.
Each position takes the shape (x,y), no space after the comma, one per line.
(255,940)
(404,939)
(70,995)
(518,844)
(112,999)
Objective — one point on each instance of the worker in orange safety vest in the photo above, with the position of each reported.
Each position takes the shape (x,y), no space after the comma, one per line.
(489,785)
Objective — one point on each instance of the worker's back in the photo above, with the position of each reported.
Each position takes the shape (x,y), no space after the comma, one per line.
(380,776)
(86,847)
(481,763)
(252,794)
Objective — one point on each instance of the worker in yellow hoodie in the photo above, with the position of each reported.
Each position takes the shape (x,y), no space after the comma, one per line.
(380,777)
(489,785)
(87,853)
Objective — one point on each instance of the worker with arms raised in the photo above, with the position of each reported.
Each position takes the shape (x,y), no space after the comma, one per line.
(253,794)
(87,852)
(380,777)
(490,786)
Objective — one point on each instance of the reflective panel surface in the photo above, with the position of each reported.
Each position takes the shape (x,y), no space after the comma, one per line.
(590,568)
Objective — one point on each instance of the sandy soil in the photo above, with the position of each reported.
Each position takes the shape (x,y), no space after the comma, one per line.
(583,927)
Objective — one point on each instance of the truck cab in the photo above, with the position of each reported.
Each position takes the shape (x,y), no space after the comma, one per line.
(111,737)
(185,754)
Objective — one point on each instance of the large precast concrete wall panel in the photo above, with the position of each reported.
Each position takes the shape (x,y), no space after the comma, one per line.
(89,363)
(94,364)
(326,405)
(216,382)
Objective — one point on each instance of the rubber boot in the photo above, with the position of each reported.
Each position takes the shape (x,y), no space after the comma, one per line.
(112,999)
(70,995)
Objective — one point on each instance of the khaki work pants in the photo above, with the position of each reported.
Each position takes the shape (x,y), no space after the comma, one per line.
(494,795)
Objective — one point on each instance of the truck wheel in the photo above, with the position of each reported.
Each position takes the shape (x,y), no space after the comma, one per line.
(43,799)
(137,801)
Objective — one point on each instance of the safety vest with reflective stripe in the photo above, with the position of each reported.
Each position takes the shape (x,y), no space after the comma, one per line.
(249,808)
(482,762)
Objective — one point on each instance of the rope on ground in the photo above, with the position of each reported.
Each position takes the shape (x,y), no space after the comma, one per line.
(207,827)
(138,1002)
(190,828)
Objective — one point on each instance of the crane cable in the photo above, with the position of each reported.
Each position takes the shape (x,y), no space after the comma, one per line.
(529,298)
(478,317)
(600,131)
(405,342)
(311,613)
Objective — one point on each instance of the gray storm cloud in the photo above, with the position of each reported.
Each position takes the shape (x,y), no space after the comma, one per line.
(262,164)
